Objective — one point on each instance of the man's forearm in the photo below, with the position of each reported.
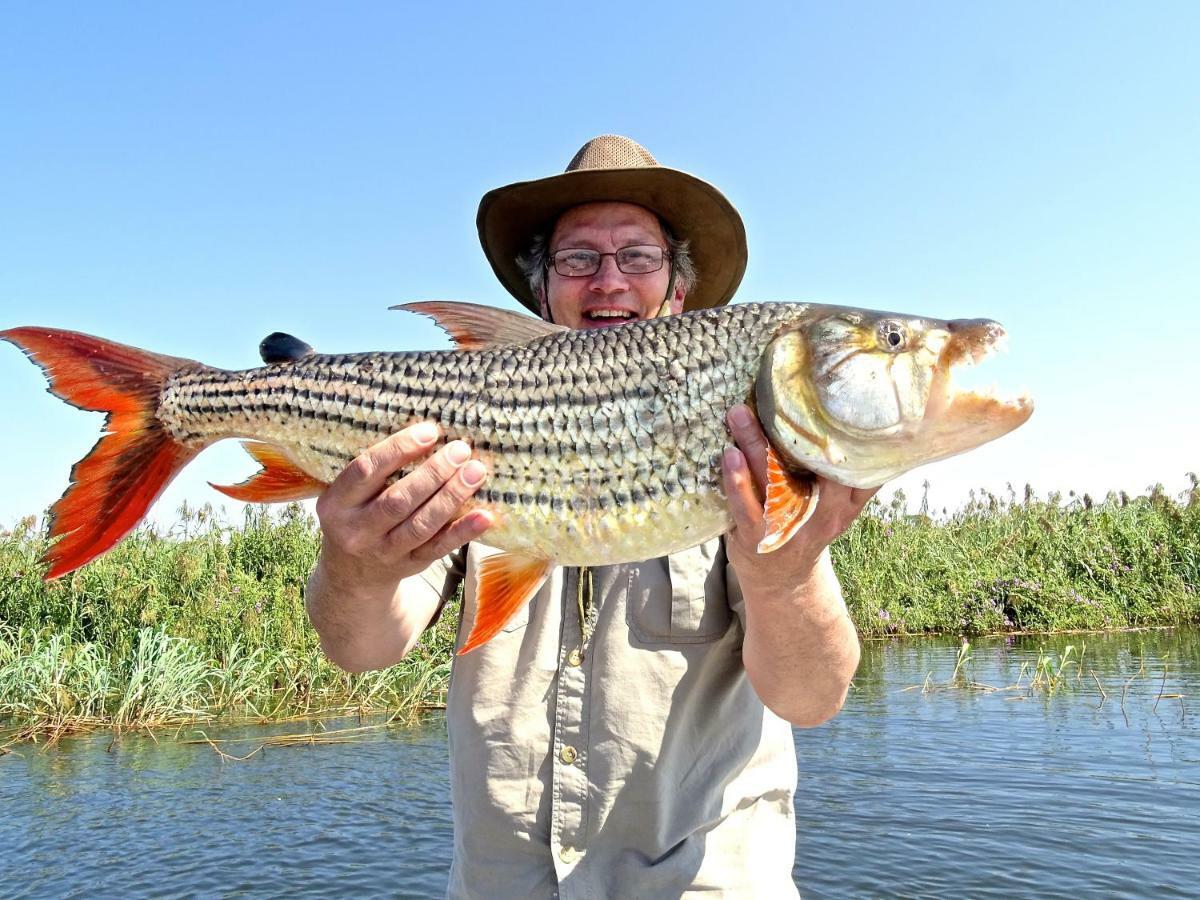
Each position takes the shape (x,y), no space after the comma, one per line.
(801,649)
(363,629)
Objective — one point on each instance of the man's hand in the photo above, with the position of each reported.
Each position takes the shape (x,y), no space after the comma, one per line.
(383,533)
(375,534)
(745,471)
(801,649)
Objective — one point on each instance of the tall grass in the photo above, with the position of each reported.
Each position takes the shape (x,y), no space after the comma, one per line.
(209,619)
(206,620)
(1009,563)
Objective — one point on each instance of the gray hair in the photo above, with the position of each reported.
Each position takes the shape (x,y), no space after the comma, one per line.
(536,262)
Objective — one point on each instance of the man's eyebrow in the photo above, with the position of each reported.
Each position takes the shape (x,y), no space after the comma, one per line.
(638,234)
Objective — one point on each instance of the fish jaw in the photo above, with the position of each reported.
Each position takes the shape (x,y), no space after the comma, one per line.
(959,420)
(929,418)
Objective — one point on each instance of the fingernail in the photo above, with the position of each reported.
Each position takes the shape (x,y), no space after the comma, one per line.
(458,452)
(473,473)
(733,458)
(740,416)
(424,433)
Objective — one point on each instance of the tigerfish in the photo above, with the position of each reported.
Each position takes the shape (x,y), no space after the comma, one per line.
(603,446)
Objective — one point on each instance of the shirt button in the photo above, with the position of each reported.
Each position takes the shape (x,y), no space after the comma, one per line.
(568,855)
(569,755)
(575,658)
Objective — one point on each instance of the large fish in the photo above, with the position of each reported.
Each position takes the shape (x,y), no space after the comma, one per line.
(604,446)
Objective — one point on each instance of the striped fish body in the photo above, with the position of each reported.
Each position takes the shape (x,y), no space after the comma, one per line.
(603,446)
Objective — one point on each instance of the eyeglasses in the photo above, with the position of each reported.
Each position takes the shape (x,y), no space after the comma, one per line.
(640,259)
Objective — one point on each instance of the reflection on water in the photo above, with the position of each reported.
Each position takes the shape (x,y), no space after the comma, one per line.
(919,788)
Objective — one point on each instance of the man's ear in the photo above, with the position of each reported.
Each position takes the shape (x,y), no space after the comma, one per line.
(543,305)
(677,300)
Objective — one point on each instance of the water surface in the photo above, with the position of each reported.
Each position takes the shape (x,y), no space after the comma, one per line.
(947,791)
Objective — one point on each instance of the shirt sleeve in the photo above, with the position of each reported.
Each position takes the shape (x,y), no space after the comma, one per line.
(438,582)
(733,588)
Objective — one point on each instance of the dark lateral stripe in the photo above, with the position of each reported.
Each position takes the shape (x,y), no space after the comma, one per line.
(578,504)
(500,400)
(306,403)
(444,386)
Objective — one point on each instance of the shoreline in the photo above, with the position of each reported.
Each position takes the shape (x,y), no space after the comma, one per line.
(210,617)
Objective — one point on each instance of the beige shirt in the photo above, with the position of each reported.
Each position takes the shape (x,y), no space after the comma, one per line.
(636,763)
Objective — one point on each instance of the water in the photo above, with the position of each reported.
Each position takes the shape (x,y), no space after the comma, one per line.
(949,791)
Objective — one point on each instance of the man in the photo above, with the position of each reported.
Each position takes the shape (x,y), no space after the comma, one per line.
(627,734)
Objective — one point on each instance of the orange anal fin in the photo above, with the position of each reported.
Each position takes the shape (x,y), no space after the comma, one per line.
(791,499)
(506,581)
(278,481)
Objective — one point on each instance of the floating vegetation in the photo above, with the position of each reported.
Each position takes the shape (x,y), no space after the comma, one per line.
(314,735)
(1051,672)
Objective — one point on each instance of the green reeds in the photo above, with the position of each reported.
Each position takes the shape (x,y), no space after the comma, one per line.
(1009,563)
(208,619)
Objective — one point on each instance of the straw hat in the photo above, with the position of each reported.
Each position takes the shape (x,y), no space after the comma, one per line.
(611,167)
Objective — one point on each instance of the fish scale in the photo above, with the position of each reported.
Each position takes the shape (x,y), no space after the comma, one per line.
(587,435)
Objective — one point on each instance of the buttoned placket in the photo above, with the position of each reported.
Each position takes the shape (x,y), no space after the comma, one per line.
(569,795)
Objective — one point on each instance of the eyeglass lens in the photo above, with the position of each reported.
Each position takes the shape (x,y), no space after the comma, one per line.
(640,259)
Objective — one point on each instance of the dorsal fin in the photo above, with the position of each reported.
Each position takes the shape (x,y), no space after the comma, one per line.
(281,347)
(475,327)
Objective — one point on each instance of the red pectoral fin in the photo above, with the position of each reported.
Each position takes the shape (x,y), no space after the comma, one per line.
(279,480)
(506,581)
(791,499)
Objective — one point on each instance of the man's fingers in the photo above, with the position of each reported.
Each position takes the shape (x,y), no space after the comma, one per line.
(423,523)
(744,505)
(368,473)
(751,441)
(467,528)
(399,501)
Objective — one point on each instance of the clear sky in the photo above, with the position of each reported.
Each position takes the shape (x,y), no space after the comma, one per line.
(189,177)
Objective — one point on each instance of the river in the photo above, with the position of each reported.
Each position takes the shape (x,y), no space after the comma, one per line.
(925,786)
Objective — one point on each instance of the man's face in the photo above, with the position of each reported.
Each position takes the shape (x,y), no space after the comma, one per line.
(609,297)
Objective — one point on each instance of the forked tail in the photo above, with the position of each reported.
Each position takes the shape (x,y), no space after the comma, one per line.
(112,487)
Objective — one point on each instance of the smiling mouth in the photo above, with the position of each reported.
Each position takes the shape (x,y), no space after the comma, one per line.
(609,316)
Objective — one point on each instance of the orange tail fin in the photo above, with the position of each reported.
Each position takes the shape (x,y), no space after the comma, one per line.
(114,485)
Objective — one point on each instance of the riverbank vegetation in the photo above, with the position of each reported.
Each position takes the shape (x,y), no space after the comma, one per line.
(208,619)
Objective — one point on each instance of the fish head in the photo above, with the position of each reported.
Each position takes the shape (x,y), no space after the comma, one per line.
(861,396)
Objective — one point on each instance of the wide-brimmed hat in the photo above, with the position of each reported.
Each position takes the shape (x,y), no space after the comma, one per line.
(611,167)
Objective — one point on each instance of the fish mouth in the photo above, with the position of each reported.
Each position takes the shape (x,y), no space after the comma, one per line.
(971,342)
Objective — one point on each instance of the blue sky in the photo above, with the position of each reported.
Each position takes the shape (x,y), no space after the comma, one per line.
(190,177)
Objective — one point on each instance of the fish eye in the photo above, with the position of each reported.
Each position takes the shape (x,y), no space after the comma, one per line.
(892,336)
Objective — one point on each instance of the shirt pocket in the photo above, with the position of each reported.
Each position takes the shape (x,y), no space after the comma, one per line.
(681,598)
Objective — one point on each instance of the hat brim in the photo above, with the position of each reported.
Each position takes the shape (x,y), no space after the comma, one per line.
(510,216)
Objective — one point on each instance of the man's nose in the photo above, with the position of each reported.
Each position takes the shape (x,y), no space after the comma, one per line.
(608,278)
